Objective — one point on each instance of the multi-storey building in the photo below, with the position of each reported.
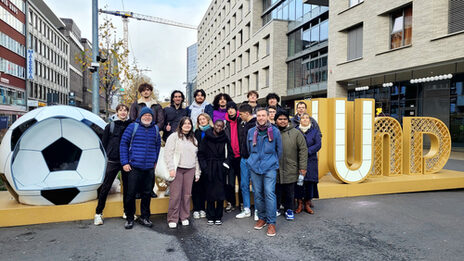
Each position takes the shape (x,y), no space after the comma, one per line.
(51,56)
(237,53)
(264,45)
(406,54)
(191,72)
(76,54)
(12,61)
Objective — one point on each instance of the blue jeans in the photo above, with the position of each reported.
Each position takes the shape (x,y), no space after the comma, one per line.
(264,192)
(245,183)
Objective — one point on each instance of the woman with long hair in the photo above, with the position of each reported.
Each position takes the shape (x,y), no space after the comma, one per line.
(180,155)
(204,123)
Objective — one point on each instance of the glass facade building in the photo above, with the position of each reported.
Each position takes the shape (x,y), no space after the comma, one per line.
(307,36)
(191,72)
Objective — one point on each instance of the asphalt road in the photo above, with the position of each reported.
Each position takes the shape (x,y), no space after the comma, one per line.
(412,226)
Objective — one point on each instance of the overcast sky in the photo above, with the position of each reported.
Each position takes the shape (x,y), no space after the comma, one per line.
(160,48)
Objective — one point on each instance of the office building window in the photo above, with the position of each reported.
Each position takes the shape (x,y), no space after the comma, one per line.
(401,30)
(266,73)
(256,51)
(256,76)
(456,16)
(267,39)
(355,42)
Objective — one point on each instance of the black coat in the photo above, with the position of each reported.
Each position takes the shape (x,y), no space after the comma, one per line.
(172,117)
(111,141)
(243,129)
(198,134)
(212,156)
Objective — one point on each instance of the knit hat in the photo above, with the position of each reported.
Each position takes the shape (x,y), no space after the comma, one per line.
(231,104)
(280,113)
(145,110)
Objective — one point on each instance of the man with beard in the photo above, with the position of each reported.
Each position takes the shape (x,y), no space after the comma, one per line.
(265,149)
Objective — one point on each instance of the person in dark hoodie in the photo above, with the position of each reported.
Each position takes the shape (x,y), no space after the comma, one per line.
(233,122)
(111,139)
(247,122)
(139,150)
(146,91)
(213,156)
(173,113)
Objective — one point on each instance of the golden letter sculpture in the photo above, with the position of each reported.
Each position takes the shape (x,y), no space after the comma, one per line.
(356,145)
(388,147)
(414,129)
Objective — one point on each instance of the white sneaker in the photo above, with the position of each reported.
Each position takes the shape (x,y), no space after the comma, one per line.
(98,220)
(172,225)
(185,222)
(256,215)
(277,213)
(202,214)
(196,215)
(244,214)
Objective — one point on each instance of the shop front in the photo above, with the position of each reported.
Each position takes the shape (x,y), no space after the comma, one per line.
(440,96)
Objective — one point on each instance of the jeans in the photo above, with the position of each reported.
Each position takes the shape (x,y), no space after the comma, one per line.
(139,180)
(245,183)
(264,192)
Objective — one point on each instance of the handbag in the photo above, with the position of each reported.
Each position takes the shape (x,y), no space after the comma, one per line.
(161,170)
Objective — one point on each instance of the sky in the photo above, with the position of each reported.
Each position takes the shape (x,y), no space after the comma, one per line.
(156,47)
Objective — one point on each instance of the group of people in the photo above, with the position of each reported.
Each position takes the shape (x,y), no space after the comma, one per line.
(208,148)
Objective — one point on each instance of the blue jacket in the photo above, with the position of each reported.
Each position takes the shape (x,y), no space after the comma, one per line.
(145,148)
(313,142)
(265,155)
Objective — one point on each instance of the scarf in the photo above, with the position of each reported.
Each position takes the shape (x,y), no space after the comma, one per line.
(234,134)
(204,128)
(304,129)
(266,127)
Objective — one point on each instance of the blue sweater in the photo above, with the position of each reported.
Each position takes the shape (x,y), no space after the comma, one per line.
(143,154)
(265,155)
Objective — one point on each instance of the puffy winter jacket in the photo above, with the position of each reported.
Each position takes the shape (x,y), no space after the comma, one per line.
(144,150)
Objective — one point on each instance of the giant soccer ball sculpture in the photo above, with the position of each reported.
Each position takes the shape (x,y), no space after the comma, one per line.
(54,156)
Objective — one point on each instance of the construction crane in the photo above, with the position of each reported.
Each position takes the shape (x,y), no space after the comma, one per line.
(125,21)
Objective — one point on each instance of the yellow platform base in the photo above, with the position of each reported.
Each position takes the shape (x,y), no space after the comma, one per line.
(14,214)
